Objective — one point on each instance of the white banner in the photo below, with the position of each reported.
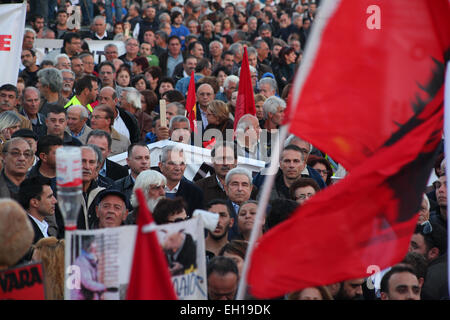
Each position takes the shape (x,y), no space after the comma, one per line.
(12,24)
(184,246)
(195,158)
(98,263)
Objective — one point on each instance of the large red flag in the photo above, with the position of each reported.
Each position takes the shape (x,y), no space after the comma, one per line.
(245,102)
(150,277)
(372,99)
(191,107)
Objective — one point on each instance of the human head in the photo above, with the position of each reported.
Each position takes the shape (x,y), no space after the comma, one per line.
(311,293)
(68,81)
(274,108)
(62,61)
(89,164)
(17,157)
(111,52)
(236,250)
(172,164)
(248,131)
(50,80)
(28,57)
(304,146)
(180,129)
(56,121)
(130,100)
(123,76)
(138,158)
(139,65)
(99,25)
(230,85)
(88,62)
(102,118)
(152,184)
(46,150)
(77,117)
(29,36)
(174,45)
(268,87)
(111,208)
(400,283)
(170,210)
(246,218)
(72,43)
(8,97)
(303,189)
(292,163)
(224,158)
(107,73)
(222,278)
(87,86)
(429,243)
(226,219)
(36,197)
(9,123)
(77,66)
(322,166)
(238,185)
(29,136)
(205,94)
(350,290)
(101,139)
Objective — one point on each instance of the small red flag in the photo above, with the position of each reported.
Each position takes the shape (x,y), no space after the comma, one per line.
(150,277)
(245,102)
(373,103)
(191,106)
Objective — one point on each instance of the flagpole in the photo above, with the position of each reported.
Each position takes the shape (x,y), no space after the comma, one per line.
(447,150)
(261,211)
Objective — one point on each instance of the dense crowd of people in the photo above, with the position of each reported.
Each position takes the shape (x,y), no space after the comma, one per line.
(110,103)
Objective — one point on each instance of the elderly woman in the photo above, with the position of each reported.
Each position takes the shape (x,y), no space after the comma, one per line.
(131,102)
(218,117)
(9,123)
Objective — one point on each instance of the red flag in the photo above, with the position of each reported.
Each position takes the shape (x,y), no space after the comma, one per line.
(371,98)
(191,106)
(245,102)
(150,277)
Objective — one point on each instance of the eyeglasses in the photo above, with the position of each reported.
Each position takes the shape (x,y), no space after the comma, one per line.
(17,154)
(105,72)
(304,196)
(68,79)
(205,94)
(324,172)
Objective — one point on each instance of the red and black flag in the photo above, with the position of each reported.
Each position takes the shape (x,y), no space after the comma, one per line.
(370,94)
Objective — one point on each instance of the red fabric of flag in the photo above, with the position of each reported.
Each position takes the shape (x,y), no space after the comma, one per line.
(150,277)
(372,99)
(245,101)
(191,104)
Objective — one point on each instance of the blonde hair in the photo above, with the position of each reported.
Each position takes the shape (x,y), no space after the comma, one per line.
(219,109)
(259,97)
(51,254)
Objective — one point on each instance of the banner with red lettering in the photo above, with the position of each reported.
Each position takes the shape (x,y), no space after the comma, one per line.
(22,283)
(12,24)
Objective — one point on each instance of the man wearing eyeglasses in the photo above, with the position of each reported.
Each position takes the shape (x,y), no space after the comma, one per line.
(17,159)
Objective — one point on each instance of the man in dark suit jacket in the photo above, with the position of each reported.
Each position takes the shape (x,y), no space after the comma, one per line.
(172,166)
(37,198)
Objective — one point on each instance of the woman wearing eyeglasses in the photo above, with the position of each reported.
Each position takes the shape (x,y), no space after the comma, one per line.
(303,189)
(322,166)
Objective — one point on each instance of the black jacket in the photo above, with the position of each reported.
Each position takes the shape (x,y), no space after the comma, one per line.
(125,185)
(192,195)
(131,123)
